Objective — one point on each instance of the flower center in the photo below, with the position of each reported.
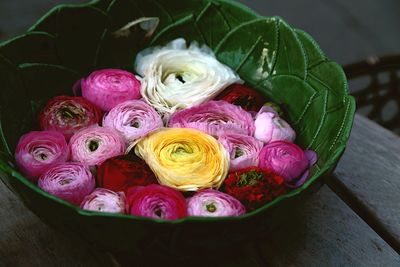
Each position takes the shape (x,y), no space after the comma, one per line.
(180,78)
(158,212)
(238,153)
(250,178)
(244,101)
(135,124)
(211,207)
(93,145)
(65,181)
(71,112)
(67,114)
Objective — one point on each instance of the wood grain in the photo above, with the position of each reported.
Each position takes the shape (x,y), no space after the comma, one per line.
(368,178)
(326,232)
(26,241)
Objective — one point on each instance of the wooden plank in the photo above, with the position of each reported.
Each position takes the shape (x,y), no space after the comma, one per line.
(323,232)
(238,256)
(26,241)
(368,178)
(326,232)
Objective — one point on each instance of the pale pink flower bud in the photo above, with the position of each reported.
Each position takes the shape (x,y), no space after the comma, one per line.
(104,200)
(270,127)
(213,203)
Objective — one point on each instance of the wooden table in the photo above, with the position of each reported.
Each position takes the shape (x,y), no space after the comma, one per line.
(354,220)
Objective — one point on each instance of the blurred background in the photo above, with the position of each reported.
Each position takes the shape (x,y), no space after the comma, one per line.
(347,31)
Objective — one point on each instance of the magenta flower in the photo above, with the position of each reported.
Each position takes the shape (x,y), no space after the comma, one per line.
(110,87)
(133,119)
(104,200)
(243,150)
(156,201)
(288,160)
(38,151)
(213,203)
(68,114)
(270,127)
(215,118)
(68,181)
(95,144)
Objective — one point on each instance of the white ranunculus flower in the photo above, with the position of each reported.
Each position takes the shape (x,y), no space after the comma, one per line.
(176,76)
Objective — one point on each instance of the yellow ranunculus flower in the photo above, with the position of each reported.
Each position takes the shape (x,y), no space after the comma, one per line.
(185,159)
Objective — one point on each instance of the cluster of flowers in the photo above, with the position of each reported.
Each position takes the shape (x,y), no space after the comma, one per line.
(185,138)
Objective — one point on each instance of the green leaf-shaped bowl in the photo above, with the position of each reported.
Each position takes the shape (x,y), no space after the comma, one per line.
(283,63)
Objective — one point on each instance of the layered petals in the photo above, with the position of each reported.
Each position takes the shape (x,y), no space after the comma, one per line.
(38,151)
(68,181)
(254,186)
(133,119)
(176,76)
(122,172)
(93,145)
(213,203)
(104,200)
(156,201)
(241,95)
(109,87)
(68,114)
(243,150)
(215,118)
(288,160)
(185,159)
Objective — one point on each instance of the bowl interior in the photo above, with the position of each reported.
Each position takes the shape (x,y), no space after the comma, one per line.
(70,41)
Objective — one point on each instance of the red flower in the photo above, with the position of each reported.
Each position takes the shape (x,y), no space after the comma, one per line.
(254,186)
(69,114)
(243,96)
(120,173)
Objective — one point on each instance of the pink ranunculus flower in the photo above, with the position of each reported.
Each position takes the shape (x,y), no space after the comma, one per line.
(105,200)
(68,181)
(133,119)
(213,203)
(288,160)
(156,201)
(95,144)
(243,150)
(68,114)
(215,118)
(109,87)
(38,151)
(270,127)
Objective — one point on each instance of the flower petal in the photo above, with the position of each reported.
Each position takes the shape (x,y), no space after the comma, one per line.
(176,76)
